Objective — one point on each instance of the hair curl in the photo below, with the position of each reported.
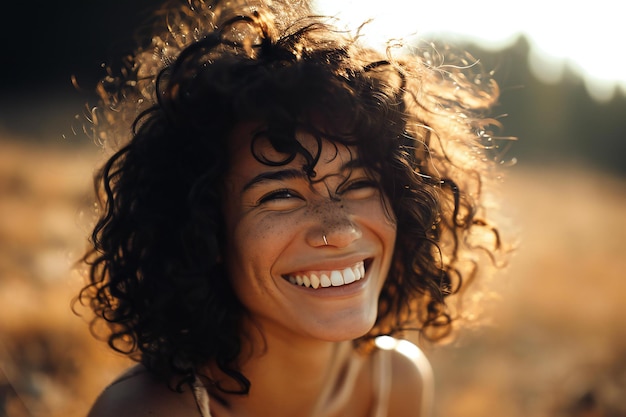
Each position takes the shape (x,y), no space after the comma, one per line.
(156,275)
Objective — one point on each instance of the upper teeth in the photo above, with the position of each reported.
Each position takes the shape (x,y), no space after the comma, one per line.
(325,279)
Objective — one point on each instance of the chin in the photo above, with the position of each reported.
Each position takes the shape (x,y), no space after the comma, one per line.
(342,331)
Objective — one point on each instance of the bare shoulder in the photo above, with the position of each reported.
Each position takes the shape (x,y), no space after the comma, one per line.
(137,393)
(412,384)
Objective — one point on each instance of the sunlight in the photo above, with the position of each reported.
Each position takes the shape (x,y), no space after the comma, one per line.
(583,38)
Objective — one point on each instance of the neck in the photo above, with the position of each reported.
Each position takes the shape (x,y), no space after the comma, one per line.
(293,377)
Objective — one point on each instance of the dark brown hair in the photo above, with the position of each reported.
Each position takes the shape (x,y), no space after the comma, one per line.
(156,275)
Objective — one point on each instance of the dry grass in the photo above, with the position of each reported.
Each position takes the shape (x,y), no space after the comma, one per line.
(555,344)
(49,364)
(556,340)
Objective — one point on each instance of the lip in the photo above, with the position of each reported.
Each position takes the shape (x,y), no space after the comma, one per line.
(330,264)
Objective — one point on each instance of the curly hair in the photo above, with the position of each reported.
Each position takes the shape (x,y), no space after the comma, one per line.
(156,275)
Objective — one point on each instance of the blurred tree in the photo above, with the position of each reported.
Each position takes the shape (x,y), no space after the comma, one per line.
(555,123)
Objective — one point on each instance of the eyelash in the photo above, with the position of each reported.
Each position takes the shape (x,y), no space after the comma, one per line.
(358,184)
(278,194)
(285,193)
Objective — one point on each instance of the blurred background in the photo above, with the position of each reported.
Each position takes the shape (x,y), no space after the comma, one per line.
(553,336)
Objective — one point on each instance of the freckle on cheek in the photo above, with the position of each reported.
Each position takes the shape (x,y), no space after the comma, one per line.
(267,231)
(263,232)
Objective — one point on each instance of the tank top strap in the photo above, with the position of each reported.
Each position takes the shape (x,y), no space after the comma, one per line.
(202,397)
(381,382)
(382,373)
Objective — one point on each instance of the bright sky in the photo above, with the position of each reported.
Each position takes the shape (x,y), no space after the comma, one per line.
(589,37)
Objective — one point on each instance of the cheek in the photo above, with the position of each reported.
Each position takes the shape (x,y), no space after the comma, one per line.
(379,217)
(258,241)
(388,218)
(266,228)
(255,248)
(390,223)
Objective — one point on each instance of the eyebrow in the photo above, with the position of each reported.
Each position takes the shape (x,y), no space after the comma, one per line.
(285,174)
(291,174)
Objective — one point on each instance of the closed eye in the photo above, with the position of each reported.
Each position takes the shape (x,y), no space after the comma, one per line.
(278,195)
(362,183)
(360,188)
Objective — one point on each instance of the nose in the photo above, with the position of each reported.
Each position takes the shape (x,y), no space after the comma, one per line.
(332,226)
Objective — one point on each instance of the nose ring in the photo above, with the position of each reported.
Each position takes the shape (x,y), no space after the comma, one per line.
(325,240)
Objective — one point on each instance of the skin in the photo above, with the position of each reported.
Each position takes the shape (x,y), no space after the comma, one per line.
(298,349)
(143,396)
(290,217)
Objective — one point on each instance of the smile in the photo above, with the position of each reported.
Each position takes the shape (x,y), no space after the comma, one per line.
(325,279)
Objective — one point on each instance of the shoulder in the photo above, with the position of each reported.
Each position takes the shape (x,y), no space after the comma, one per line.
(137,393)
(412,384)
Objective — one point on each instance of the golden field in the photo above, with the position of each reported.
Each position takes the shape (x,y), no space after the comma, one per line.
(553,342)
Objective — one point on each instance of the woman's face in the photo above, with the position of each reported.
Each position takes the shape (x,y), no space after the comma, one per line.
(306,259)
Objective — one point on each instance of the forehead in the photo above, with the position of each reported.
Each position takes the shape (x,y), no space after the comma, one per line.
(250,150)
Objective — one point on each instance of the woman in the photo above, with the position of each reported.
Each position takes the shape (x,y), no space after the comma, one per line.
(286,197)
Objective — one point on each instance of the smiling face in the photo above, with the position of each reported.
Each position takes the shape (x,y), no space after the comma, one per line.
(306,258)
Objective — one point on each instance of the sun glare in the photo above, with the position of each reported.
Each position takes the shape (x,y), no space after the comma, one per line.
(583,37)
